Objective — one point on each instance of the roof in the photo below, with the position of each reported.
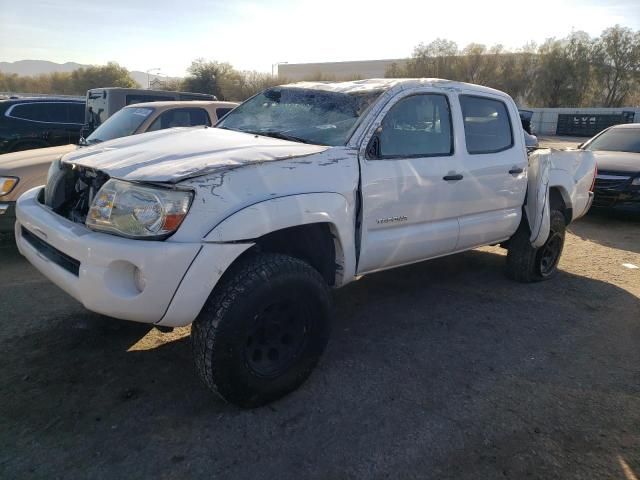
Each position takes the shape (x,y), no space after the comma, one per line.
(190,103)
(627,125)
(373,84)
(44,99)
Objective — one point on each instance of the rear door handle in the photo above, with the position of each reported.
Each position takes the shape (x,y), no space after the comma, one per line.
(515,171)
(452,177)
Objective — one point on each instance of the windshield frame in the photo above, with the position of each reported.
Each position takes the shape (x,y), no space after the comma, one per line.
(149,117)
(375,93)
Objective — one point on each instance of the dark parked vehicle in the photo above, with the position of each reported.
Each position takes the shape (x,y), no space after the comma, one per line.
(36,122)
(617,153)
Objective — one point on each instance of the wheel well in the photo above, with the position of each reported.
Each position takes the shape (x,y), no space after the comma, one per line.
(557,202)
(314,243)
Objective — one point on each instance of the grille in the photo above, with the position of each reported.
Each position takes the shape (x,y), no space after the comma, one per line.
(611,182)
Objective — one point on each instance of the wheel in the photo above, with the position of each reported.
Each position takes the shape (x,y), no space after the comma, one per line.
(528,264)
(262,330)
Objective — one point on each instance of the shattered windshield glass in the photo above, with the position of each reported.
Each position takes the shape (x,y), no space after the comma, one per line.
(303,115)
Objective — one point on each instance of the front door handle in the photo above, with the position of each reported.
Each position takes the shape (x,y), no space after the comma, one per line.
(452,177)
(515,171)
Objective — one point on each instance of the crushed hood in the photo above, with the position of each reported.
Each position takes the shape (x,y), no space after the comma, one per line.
(180,153)
(626,162)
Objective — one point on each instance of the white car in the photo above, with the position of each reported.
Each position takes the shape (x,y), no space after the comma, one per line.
(243,229)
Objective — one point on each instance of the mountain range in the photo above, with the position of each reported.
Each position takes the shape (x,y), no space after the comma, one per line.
(37,67)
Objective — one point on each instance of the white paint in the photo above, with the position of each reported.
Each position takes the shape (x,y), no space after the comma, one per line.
(630,266)
(246,186)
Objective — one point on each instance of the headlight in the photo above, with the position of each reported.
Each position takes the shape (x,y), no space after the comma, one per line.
(135,211)
(7,184)
(635,181)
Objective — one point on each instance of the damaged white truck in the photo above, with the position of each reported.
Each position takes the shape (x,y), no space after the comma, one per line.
(243,229)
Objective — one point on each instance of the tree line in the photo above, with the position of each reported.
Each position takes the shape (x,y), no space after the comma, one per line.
(76,82)
(575,71)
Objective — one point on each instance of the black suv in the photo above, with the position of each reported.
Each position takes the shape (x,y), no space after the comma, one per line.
(37,122)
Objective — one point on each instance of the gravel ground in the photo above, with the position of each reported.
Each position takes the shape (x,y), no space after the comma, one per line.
(444,369)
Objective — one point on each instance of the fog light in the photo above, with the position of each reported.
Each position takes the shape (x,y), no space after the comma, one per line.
(138,278)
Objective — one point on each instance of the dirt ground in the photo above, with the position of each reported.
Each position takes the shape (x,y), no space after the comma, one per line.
(444,369)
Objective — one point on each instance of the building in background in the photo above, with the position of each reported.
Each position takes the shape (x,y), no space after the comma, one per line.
(580,122)
(295,72)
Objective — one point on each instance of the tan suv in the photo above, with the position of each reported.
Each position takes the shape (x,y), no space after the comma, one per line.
(21,171)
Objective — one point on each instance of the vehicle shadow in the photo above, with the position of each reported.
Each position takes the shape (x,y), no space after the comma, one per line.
(611,227)
(440,369)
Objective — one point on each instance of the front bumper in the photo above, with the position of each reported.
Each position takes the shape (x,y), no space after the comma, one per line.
(7,216)
(160,282)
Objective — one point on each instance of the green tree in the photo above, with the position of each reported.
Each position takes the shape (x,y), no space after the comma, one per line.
(109,75)
(617,64)
(209,77)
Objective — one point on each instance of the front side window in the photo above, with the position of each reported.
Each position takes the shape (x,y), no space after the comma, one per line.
(304,115)
(487,126)
(416,126)
(123,123)
(617,140)
(180,117)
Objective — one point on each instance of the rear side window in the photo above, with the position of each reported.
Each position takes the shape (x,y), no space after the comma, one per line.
(58,112)
(180,117)
(487,126)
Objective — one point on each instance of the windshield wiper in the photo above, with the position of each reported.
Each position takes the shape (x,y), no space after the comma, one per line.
(283,136)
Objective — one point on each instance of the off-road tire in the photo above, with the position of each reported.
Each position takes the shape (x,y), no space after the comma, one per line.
(528,264)
(225,330)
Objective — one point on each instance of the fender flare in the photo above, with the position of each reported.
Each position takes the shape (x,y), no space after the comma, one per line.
(542,177)
(537,205)
(274,214)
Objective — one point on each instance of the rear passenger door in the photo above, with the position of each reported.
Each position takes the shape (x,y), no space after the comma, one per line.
(410,182)
(494,166)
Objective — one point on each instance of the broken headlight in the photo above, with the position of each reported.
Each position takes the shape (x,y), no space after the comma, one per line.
(136,211)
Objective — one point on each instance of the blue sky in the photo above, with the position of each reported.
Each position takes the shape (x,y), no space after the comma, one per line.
(255,34)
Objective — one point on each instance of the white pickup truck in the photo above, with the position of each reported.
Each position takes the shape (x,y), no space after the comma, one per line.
(242,229)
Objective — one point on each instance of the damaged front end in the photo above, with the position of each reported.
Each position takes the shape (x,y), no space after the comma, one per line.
(71,188)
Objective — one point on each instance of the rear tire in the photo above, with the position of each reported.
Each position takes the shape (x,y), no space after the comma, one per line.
(528,264)
(262,330)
